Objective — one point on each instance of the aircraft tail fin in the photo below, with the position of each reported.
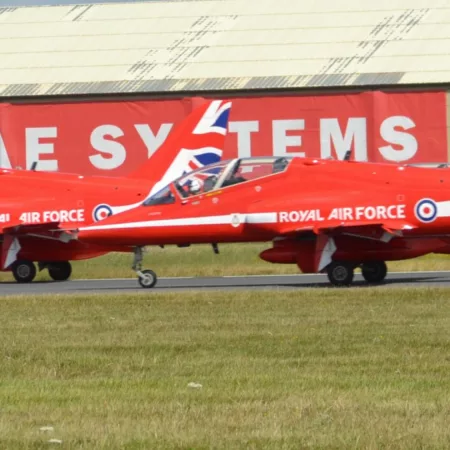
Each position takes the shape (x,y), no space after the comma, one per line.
(196,141)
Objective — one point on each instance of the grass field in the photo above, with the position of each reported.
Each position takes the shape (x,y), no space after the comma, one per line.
(234,259)
(323,368)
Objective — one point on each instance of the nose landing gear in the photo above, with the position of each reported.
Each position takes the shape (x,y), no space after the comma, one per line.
(146,278)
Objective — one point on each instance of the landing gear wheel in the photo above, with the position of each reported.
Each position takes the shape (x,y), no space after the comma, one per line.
(60,271)
(374,271)
(340,273)
(24,271)
(148,279)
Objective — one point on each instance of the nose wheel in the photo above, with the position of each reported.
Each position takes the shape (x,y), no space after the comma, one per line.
(146,278)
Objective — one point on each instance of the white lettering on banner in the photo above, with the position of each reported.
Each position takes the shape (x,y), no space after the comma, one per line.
(331,133)
(345,213)
(34,148)
(281,140)
(152,141)
(115,149)
(244,140)
(63,215)
(4,158)
(406,140)
(111,144)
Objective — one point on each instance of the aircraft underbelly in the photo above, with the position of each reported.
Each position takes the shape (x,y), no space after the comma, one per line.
(309,254)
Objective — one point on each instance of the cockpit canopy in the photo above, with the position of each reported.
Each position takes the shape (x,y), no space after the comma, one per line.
(227,173)
(218,176)
(163,197)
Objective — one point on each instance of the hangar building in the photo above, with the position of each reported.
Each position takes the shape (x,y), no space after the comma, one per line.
(96,88)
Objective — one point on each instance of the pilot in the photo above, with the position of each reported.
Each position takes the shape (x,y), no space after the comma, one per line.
(195,187)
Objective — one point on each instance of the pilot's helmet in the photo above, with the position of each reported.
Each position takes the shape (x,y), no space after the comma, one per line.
(195,186)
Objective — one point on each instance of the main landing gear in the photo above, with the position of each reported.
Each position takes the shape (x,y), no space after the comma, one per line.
(24,271)
(341,273)
(60,270)
(146,278)
(374,271)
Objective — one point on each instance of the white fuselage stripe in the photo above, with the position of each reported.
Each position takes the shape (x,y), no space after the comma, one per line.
(189,221)
(235,219)
(443,209)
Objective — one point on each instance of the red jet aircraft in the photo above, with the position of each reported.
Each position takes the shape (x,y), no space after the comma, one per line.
(323,215)
(37,207)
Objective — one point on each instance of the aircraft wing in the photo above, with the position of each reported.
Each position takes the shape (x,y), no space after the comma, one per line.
(383,230)
(43,230)
(11,245)
(31,228)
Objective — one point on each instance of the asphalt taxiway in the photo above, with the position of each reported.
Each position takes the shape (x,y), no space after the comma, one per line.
(258,282)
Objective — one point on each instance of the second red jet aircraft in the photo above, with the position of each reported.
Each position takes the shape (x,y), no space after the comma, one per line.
(323,215)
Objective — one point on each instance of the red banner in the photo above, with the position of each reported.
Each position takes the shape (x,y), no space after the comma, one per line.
(113,138)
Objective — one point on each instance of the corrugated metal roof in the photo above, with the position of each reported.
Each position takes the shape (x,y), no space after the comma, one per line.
(222,44)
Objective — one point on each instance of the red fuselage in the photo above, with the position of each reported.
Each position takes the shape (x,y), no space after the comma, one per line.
(33,198)
(354,202)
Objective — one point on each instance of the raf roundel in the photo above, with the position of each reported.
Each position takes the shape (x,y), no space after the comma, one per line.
(426,210)
(101,212)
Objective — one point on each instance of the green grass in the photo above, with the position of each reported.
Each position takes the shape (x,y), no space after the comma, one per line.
(199,260)
(313,368)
